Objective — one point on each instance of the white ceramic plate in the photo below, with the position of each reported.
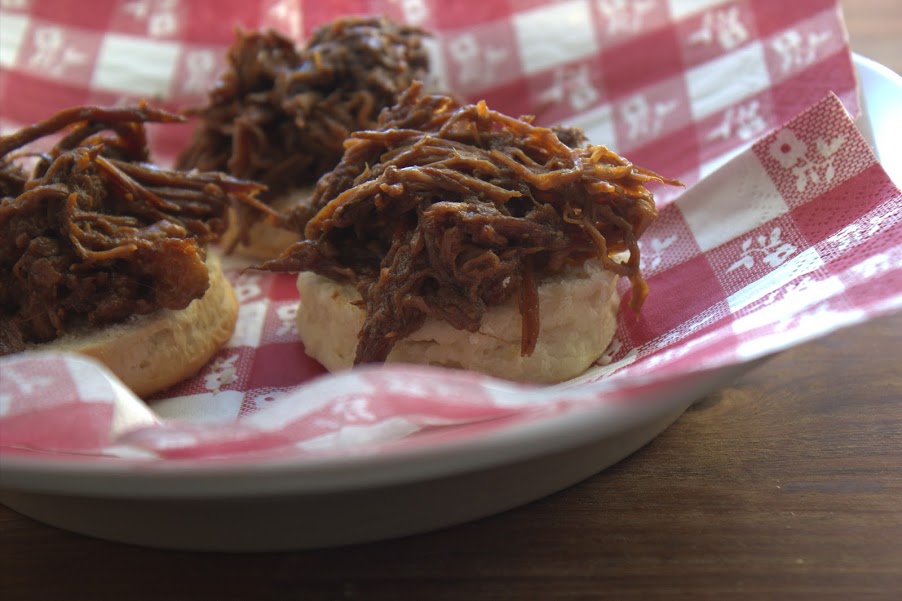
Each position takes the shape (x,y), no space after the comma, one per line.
(293,504)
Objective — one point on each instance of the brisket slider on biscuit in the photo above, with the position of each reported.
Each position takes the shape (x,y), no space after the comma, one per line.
(457,236)
(280,114)
(104,253)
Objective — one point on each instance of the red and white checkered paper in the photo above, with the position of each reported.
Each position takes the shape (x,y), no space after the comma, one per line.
(794,237)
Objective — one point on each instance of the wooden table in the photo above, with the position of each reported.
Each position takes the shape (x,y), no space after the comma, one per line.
(785,484)
(875,30)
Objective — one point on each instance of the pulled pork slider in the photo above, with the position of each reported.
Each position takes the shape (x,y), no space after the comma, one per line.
(104,254)
(280,114)
(457,236)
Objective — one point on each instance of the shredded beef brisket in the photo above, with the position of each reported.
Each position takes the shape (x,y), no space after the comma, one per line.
(444,211)
(280,114)
(93,233)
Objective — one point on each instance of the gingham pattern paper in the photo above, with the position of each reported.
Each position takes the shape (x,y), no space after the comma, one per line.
(794,238)
(676,85)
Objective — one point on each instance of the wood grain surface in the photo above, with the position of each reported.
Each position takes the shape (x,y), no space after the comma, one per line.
(785,484)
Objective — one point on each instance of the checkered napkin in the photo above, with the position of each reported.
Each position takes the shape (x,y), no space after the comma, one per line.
(789,228)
